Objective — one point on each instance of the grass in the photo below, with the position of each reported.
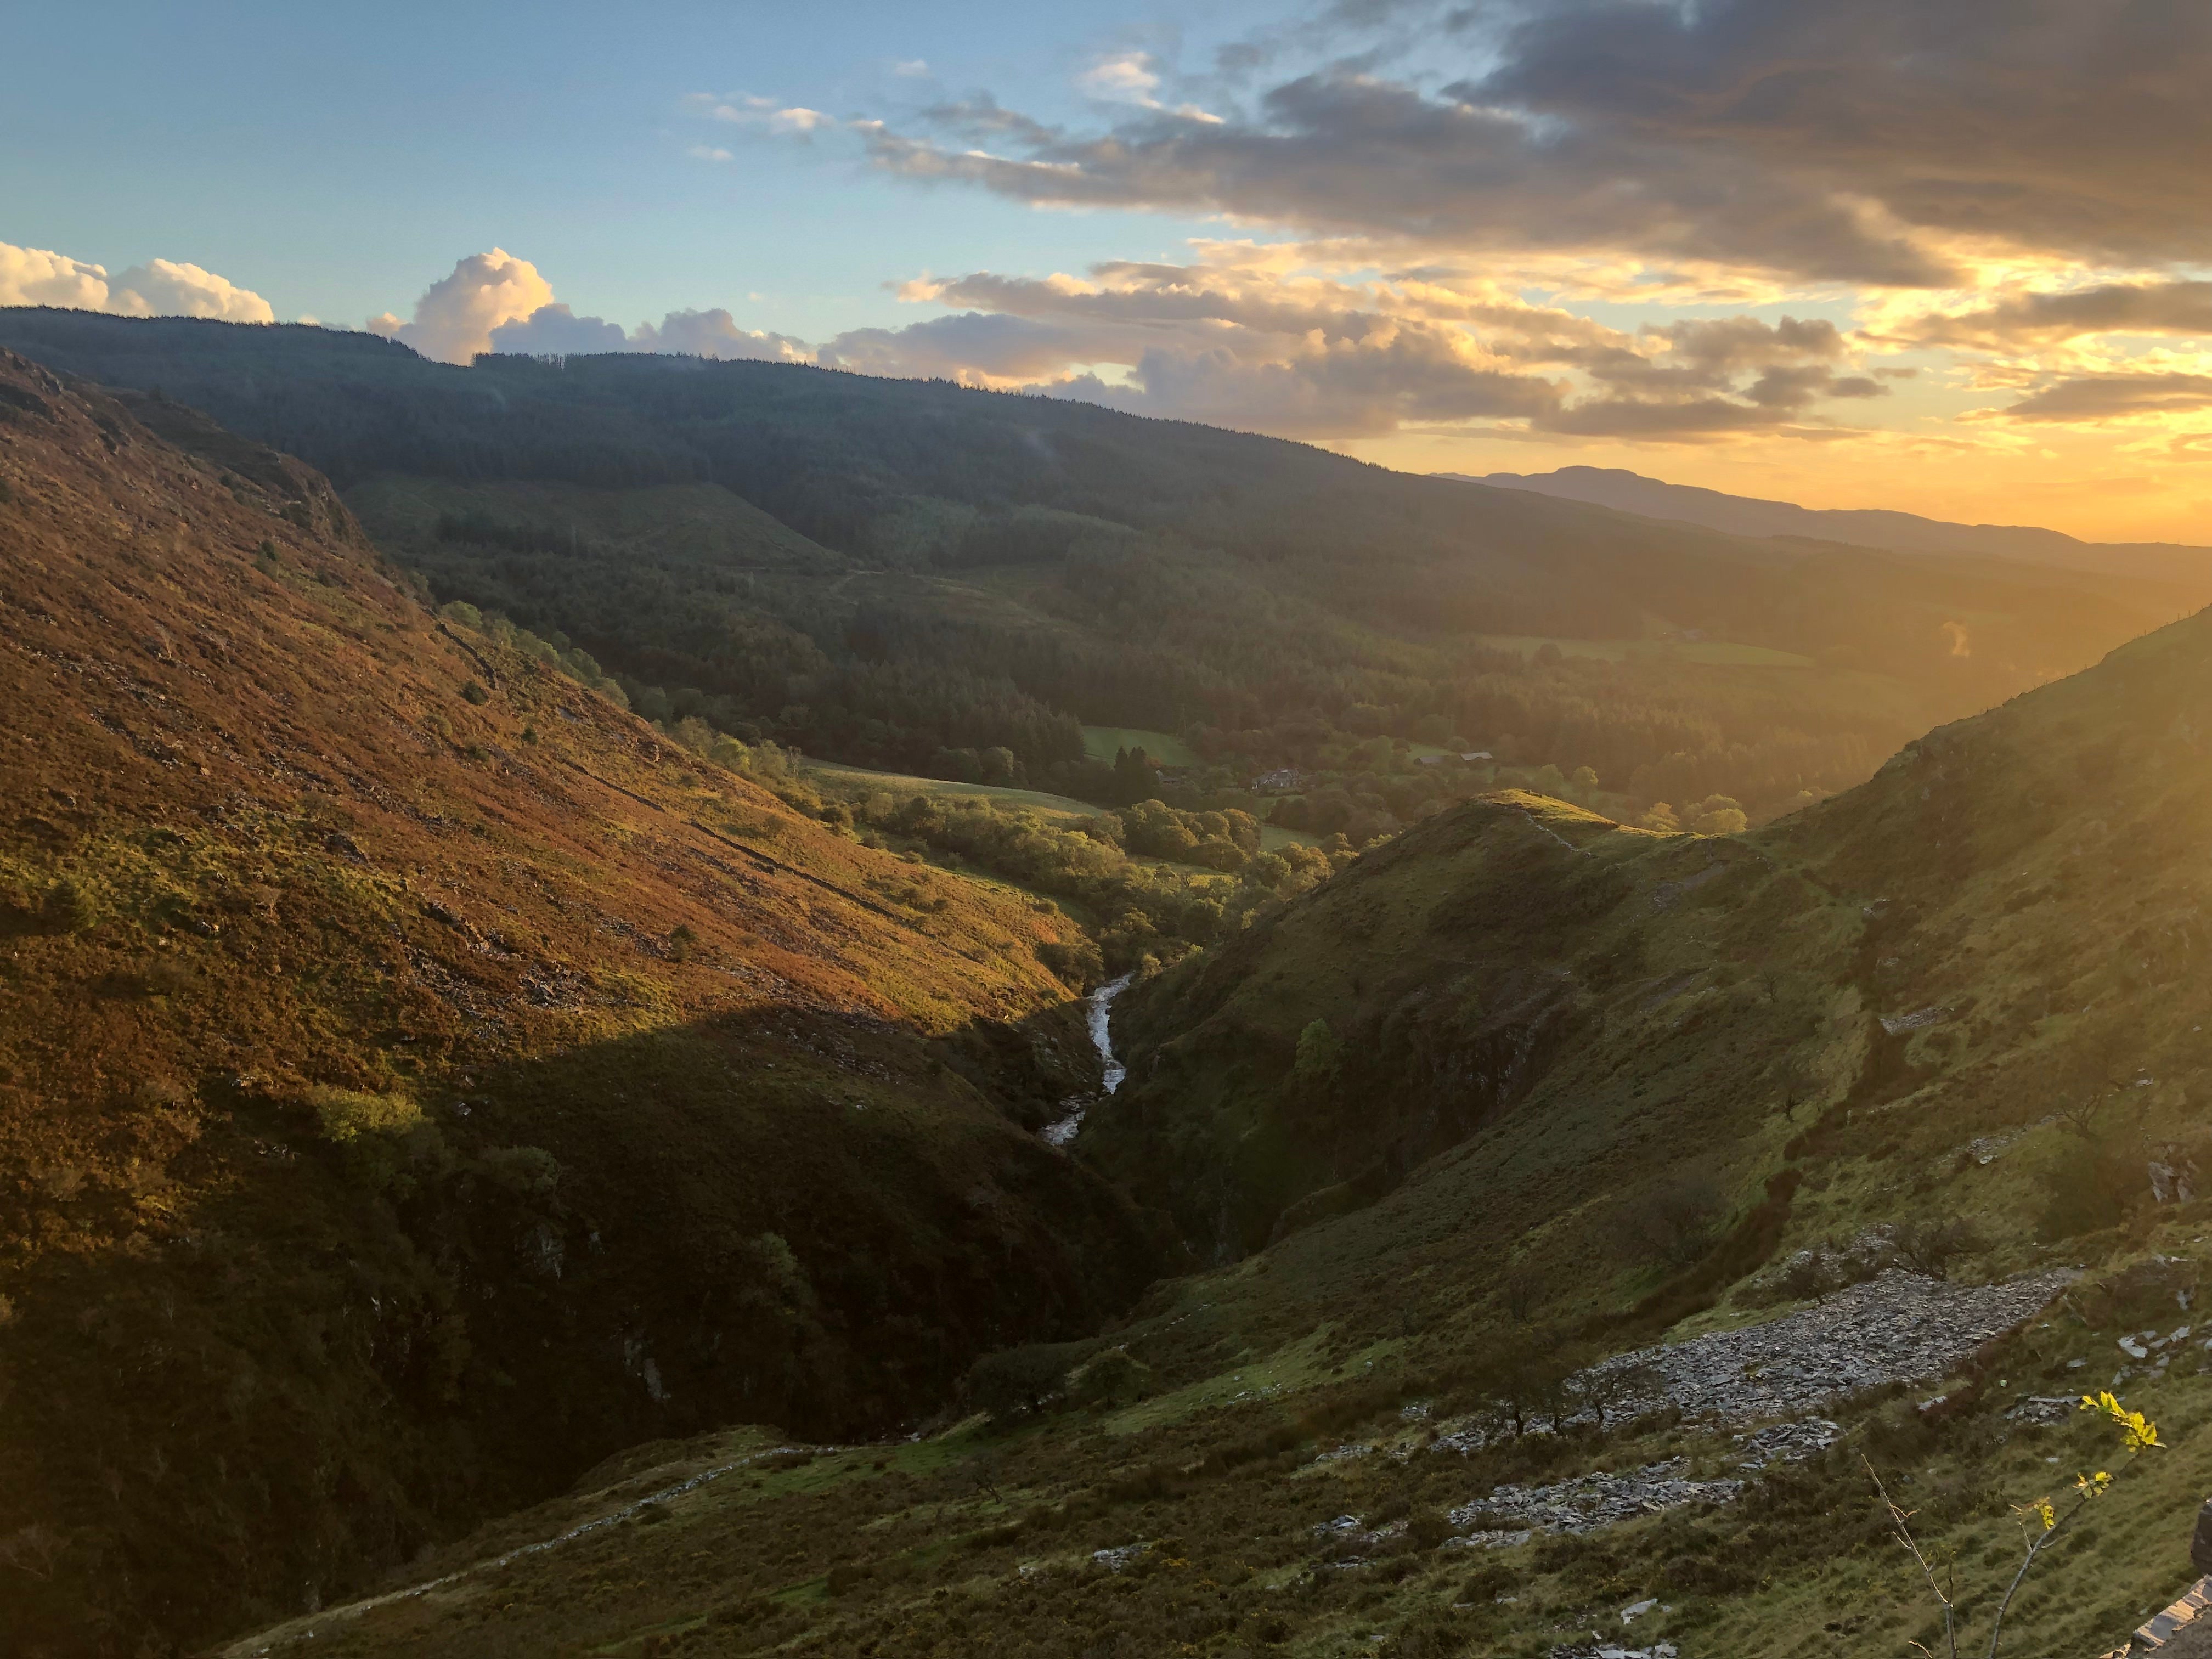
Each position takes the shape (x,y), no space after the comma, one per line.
(1715,652)
(846,779)
(1100,743)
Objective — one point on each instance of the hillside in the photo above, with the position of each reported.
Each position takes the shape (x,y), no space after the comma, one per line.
(420,1078)
(931,580)
(1906,532)
(1886,1120)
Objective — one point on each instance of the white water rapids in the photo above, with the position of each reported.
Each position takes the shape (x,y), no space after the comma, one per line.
(1098,1012)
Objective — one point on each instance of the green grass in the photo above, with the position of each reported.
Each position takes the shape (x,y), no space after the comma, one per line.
(1099,742)
(1714,653)
(850,780)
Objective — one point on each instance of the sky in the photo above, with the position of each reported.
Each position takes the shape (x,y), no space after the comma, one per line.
(1948,256)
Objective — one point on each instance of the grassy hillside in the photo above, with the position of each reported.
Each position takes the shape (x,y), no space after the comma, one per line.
(926,579)
(1579,1088)
(419,1078)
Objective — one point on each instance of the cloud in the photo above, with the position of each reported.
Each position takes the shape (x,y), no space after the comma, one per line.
(2044,319)
(716,334)
(553,331)
(1694,387)
(1245,339)
(160,288)
(1128,77)
(556,331)
(37,277)
(913,69)
(2099,397)
(745,109)
(496,303)
(1890,143)
(454,319)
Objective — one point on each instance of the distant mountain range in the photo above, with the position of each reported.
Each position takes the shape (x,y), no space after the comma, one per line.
(1905,532)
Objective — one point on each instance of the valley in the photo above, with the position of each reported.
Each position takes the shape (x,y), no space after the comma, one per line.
(490,1163)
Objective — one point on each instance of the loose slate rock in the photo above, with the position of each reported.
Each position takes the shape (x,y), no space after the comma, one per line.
(1896,1328)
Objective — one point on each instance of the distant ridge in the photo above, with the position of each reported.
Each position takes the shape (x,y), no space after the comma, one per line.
(1905,532)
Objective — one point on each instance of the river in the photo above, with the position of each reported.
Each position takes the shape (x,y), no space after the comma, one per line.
(1099,1012)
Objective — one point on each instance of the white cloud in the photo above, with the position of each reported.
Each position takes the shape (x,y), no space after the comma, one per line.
(36,276)
(456,315)
(164,288)
(796,119)
(1133,77)
(708,152)
(914,68)
(716,334)
(1127,77)
(160,288)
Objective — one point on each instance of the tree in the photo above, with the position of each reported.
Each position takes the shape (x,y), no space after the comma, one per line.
(2041,1522)
(1716,815)
(1321,1053)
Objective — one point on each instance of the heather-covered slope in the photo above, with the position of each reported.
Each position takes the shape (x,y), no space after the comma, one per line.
(417,1078)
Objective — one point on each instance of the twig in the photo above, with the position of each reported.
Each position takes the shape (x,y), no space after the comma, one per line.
(1898,1517)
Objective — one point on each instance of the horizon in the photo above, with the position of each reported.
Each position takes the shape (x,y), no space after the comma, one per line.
(1443,239)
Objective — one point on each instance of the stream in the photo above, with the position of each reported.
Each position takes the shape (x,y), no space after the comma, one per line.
(1098,1012)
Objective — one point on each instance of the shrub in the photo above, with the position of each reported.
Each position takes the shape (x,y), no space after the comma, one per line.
(71,907)
(1930,1245)
(472,692)
(530,1171)
(1320,1052)
(1108,1379)
(381,1135)
(1017,1380)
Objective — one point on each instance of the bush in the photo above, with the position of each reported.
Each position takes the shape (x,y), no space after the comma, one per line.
(1017,1380)
(530,1171)
(1108,1379)
(1930,1245)
(472,692)
(1320,1052)
(71,907)
(381,1135)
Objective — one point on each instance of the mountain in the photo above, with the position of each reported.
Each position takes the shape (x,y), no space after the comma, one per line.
(420,1078)
(1905,533)
(911,576)
(1865,1142)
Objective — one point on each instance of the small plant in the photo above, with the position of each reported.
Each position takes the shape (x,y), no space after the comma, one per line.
(2041,1520)
(71,907)
(472,692)
(1320,1052)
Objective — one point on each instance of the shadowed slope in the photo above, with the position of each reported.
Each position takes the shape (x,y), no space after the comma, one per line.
(417,1079)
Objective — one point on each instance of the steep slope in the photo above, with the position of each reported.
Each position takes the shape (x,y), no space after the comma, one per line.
(1581,1088)
(2013,888)
(418,1079)
(1908,533)
(999,569)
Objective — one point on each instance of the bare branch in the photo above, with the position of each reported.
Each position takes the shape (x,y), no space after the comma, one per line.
(1898,1518)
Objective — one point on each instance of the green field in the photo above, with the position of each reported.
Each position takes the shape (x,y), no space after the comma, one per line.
(1714,653)
(1099,742)
(846,780)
